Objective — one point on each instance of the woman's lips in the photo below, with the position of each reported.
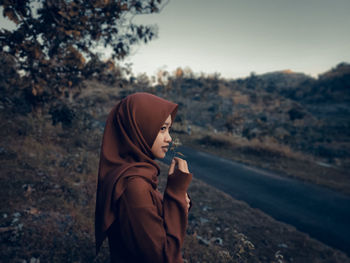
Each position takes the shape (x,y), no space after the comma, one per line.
(165,148)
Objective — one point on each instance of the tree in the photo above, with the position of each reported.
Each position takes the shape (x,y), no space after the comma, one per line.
(55,39)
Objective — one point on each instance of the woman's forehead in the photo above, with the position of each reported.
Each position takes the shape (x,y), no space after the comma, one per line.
(168,120)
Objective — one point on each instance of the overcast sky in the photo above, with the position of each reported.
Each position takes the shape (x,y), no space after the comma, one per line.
(237,37)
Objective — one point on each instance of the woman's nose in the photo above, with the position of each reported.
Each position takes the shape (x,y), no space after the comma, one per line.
(168,138)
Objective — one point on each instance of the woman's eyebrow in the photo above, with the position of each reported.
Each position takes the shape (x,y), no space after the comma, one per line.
(167,123)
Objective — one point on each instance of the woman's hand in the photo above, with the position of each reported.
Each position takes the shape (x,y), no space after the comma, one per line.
(178,163)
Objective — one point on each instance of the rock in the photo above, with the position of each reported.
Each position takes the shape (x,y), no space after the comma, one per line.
(279,256)
(16,215)
(206,208)
(216,241)
(282,245)
(34,260)
(203,220)
(203,240)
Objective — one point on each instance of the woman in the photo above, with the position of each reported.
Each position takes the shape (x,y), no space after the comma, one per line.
(141,224)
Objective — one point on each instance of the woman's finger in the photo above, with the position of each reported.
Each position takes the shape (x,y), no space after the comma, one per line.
(172,167)
(188,201)
(182,165)
(186,166)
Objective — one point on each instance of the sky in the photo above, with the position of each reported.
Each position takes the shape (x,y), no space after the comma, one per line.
(237,37)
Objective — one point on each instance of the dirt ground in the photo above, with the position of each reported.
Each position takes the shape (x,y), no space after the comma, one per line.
(48,183)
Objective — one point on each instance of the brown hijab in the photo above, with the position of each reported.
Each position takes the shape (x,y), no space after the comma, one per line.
(131,128)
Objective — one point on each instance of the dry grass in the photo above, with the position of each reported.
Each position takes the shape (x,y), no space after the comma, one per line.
(48,183)
(268,154)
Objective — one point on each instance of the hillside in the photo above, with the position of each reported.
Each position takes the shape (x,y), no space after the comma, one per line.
(284,121)
(308,115)
(48,182)
(281,121)
(287,122)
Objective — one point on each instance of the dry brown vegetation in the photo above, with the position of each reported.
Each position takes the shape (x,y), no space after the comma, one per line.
(268,153)
(48,181)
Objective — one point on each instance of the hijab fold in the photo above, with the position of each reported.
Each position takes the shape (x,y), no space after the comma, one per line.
(131,128)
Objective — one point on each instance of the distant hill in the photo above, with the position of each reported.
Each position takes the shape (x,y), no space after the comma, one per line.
(308,114)
(284,80)
(331,86)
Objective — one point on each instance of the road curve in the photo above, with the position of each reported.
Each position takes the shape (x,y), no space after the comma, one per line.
(320,212)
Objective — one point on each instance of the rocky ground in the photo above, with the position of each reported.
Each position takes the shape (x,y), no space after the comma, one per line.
(48,183)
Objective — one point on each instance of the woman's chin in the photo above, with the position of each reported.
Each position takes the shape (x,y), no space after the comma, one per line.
(161,156)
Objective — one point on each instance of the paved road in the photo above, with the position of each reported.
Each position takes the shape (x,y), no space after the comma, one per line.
(323,214)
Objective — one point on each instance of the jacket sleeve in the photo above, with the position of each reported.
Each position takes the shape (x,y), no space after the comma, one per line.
(154,236)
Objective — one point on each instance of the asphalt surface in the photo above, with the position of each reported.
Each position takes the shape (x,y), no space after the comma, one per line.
(317,211)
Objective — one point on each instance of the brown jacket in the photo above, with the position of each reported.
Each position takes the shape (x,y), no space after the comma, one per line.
(150,228)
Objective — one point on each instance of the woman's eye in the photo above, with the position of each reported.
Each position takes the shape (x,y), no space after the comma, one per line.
(163,128)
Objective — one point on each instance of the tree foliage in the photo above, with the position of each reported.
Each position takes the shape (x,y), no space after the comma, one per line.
(54,40)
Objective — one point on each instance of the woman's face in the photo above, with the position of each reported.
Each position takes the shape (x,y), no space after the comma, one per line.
(161,143)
